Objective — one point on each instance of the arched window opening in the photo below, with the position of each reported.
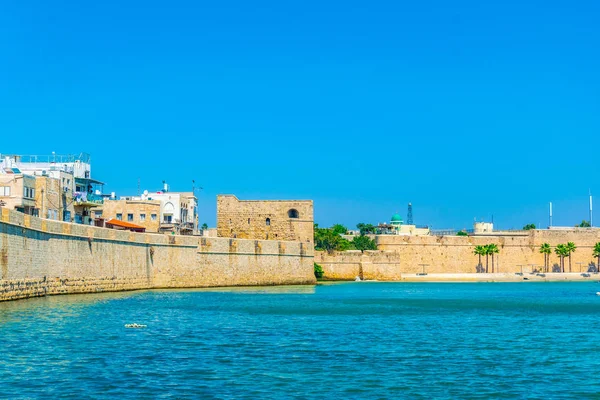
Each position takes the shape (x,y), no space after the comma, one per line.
(293,213)
(268,222)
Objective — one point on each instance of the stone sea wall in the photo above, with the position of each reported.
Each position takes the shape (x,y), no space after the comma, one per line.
(42,257)
(397,255)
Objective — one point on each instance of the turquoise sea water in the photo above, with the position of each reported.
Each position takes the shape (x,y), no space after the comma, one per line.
(348,340)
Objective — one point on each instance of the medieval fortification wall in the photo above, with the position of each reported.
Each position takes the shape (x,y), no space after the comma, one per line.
(397,255)
(42,257)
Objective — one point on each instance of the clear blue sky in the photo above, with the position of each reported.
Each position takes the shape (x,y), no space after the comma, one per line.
(465,108)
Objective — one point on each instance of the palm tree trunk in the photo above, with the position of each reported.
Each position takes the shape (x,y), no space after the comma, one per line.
(479,263)
(487,261)
(492,263)
(569,262)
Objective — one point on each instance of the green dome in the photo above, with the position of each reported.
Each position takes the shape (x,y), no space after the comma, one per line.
(396,218)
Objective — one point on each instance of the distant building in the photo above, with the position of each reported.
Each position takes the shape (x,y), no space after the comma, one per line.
(163,211)
(290,220)
(482,227)
(18,191)
(144,213)
(80,193)
(49,198)
(397,227)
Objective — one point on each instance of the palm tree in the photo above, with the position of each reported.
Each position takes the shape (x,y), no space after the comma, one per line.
(479,251)
(570,248)
(486,251)
(493,249)
(596,253)
(561,251)
(546,251)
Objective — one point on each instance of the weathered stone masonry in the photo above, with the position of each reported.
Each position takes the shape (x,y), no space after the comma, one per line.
(265,219)
(42,257)
(397,255)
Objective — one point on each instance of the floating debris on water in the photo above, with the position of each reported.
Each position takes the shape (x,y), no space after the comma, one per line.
(135,326)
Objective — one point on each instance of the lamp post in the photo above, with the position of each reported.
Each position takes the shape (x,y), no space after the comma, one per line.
(580,265)
(423,265)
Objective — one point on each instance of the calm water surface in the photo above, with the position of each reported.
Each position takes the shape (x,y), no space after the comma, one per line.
(350,340)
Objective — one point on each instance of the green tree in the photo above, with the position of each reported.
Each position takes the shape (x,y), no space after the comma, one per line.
(363,243)
(584,224)
(366,228)
(327,240)
(480,251)
(204,226)
(492,249)
(529,227)
(318,271)
(596,253)
(570,248)
(339,229)
(546,251)
(561,251)
(462,233)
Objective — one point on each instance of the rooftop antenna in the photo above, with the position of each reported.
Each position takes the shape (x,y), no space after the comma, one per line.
(409,216)
(139,187)
(550,215)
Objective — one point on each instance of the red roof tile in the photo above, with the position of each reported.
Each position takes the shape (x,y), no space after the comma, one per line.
(123,224)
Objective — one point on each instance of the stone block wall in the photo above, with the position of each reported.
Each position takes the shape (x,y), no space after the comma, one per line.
(399,255)
(261,220)
(42,257)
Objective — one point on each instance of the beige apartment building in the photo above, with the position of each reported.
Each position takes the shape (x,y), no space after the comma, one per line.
(145,213)
(17,192)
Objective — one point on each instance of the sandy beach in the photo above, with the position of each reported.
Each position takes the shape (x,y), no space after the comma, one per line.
(501,277)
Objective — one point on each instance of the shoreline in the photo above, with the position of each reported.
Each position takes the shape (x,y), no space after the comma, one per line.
(495,277)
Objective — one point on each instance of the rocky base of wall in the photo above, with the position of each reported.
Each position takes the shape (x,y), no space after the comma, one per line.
(27,288)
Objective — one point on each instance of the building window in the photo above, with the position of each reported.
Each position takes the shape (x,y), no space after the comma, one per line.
(142,217)
(248,221)
(4,190)
(130,217)
(293,213)
(153,217)
(167,219)
(28,192)
(268,222)
(120,217)
(98,214)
